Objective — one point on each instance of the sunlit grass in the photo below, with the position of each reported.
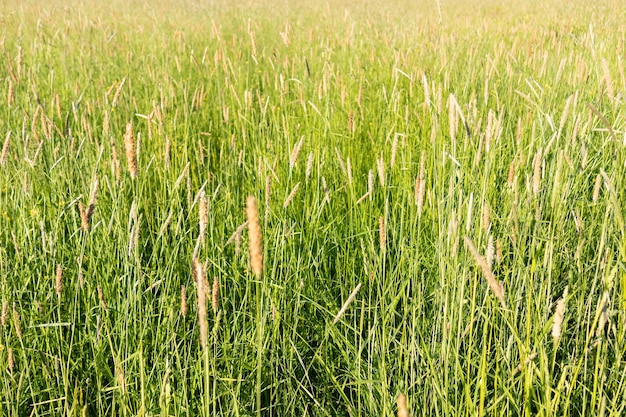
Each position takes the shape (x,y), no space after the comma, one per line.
(439,194)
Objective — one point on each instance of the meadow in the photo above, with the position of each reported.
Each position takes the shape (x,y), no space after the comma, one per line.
(318,209)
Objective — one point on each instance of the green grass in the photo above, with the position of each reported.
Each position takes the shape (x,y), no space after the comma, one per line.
(518,112)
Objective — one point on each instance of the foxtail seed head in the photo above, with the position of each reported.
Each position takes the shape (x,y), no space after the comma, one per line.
(17,322)
(59,281)
(5,148)
(183,301)
(5,313)
(402,409)
(558,316)
(215,294)
(382,233)
(254,234)
(200,279)
(10,360)
(537,172)
(203,214)
(494,285)
(131,155)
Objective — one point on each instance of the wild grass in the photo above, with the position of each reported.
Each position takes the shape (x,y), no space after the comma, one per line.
(392,208)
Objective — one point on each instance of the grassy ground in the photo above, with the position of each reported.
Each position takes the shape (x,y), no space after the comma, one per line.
(461,167)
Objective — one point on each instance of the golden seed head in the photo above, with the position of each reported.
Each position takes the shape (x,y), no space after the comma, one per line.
(291,195)
(5,313)
(511,176)
(596,189)
(486,217)
(494,285)
(168,152)
(498,250)
(199,276)
(537,172)
(558,316)
(293,158)
(10,94)
(106,124)
(204,213)
(491,251)
(606,73)
(5,148)
(10,360)
(215,294)
(84,219)
(603,313)
(121,379)
(103,303)
(59,280)
(17,322)
(92,197)
(382,233)
(402,409)
(131,155)
(380,166)
(524,364)
(116,96)
(349,169)
(346,304)
(254,233)
(421,191)
(183,301)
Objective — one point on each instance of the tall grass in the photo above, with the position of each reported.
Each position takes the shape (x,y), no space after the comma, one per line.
(394,209)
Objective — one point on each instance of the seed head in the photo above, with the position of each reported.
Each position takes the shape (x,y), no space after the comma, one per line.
(10,360)
(254,234)
(5,313)
(291,195)
(491,251)
(199,276)
(59,281)
(537,172)
(309,166)
(486,217)
(17,322)
(380,166)
(203,213)
(402,409)
(596,189)
(294,154)
(10,94)
(183,301)
(382,233)
(558,316)
(215,294)
(494,285)
(131,155)
(103,303)
(5,148)
(92,197)
(345,305)
(168,152)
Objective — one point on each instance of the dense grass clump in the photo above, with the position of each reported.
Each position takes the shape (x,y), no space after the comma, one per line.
(297,209)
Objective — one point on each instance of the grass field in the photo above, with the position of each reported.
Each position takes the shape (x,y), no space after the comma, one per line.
(439,222)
